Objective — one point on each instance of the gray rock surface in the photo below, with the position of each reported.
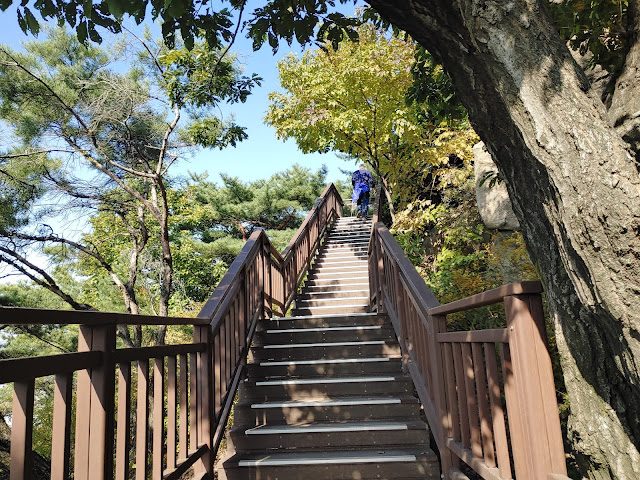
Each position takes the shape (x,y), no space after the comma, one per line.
(493,202)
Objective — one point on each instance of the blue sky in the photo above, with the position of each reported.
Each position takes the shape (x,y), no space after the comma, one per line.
(262,154)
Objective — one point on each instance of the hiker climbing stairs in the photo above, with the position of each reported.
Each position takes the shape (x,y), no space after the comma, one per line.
(325,396)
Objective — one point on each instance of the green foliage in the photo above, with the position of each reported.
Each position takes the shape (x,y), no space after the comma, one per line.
(454,252)
(225,215)
(303,21)
(379,100)
(97,140)
(597,27)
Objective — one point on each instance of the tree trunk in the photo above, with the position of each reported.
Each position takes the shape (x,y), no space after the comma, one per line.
(575,190)
(625,104)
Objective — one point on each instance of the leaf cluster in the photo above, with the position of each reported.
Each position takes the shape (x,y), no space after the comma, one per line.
(595,27)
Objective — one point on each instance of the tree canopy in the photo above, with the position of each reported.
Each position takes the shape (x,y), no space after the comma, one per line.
(361,100)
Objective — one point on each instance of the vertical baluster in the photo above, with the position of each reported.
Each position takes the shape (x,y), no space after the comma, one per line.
(497,413)
(158,419)
(61,433)
(172,404)
(452,400)
(472,405)
(483,405)
(462,395)
(123,440)
(522,461)
(193,402)
(201,334)
(217,373)
(21,466)
(184,407)
(142,420)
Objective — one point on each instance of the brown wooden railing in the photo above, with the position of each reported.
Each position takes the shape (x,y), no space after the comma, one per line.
(463,377)
(190,387)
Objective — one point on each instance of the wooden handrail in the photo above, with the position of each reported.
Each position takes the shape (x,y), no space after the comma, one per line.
(463,377)
(200,378)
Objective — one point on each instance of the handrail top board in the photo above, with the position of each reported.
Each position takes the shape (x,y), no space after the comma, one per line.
(38,316)
(211,309)
(489,297)
(286,253)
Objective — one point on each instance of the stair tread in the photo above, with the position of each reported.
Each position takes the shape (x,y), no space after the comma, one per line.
(324,427)
(351,456)
(334,401)
(329,361)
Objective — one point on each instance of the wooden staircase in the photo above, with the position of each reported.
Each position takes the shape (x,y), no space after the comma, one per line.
(325,396)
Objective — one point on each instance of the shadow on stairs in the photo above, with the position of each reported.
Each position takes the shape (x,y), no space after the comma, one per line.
(325,396)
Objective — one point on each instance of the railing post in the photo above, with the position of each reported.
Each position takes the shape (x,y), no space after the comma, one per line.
(379,269)
(95,405)
(541,438)
(438,324)
(206,418)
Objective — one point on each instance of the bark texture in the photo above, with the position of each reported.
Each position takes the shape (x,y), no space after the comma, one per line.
(625,104)
(575,189)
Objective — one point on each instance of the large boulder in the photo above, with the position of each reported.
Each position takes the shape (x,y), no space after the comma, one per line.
(493,200)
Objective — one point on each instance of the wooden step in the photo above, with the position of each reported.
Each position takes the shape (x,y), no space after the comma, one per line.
(312,294)
(362,308)
(336,434)
(397,464)
(327,350)
(323,334)
(324,368)
(331,285)
(323,409)
(361,299)
(305,388)
(306,321)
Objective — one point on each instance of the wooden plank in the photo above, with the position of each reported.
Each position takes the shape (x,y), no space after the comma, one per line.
(21,466)
(129,355)
(439,387)
(414,283)
(193,402)
(158,419)
(142,420)
(497,412)
(521,459)
(472,404)
(476,464)
(205,414)
(172,417)
(83,411)
(458,364)
(451,392)
(496,335)
(102,404)
(529,367)
(488,298)
(547,385)
(229,282)
(20,369)
(186,464)
(40,316)
(123,434)
(184,407)
(483,405)
(61,431)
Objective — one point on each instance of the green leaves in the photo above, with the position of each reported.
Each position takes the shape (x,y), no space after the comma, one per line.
(597,27)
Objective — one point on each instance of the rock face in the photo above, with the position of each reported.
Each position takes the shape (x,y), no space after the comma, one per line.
(493,202)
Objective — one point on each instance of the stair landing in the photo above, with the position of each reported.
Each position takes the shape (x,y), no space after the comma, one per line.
(325,396)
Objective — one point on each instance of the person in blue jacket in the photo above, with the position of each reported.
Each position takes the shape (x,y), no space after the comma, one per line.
(362,182)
